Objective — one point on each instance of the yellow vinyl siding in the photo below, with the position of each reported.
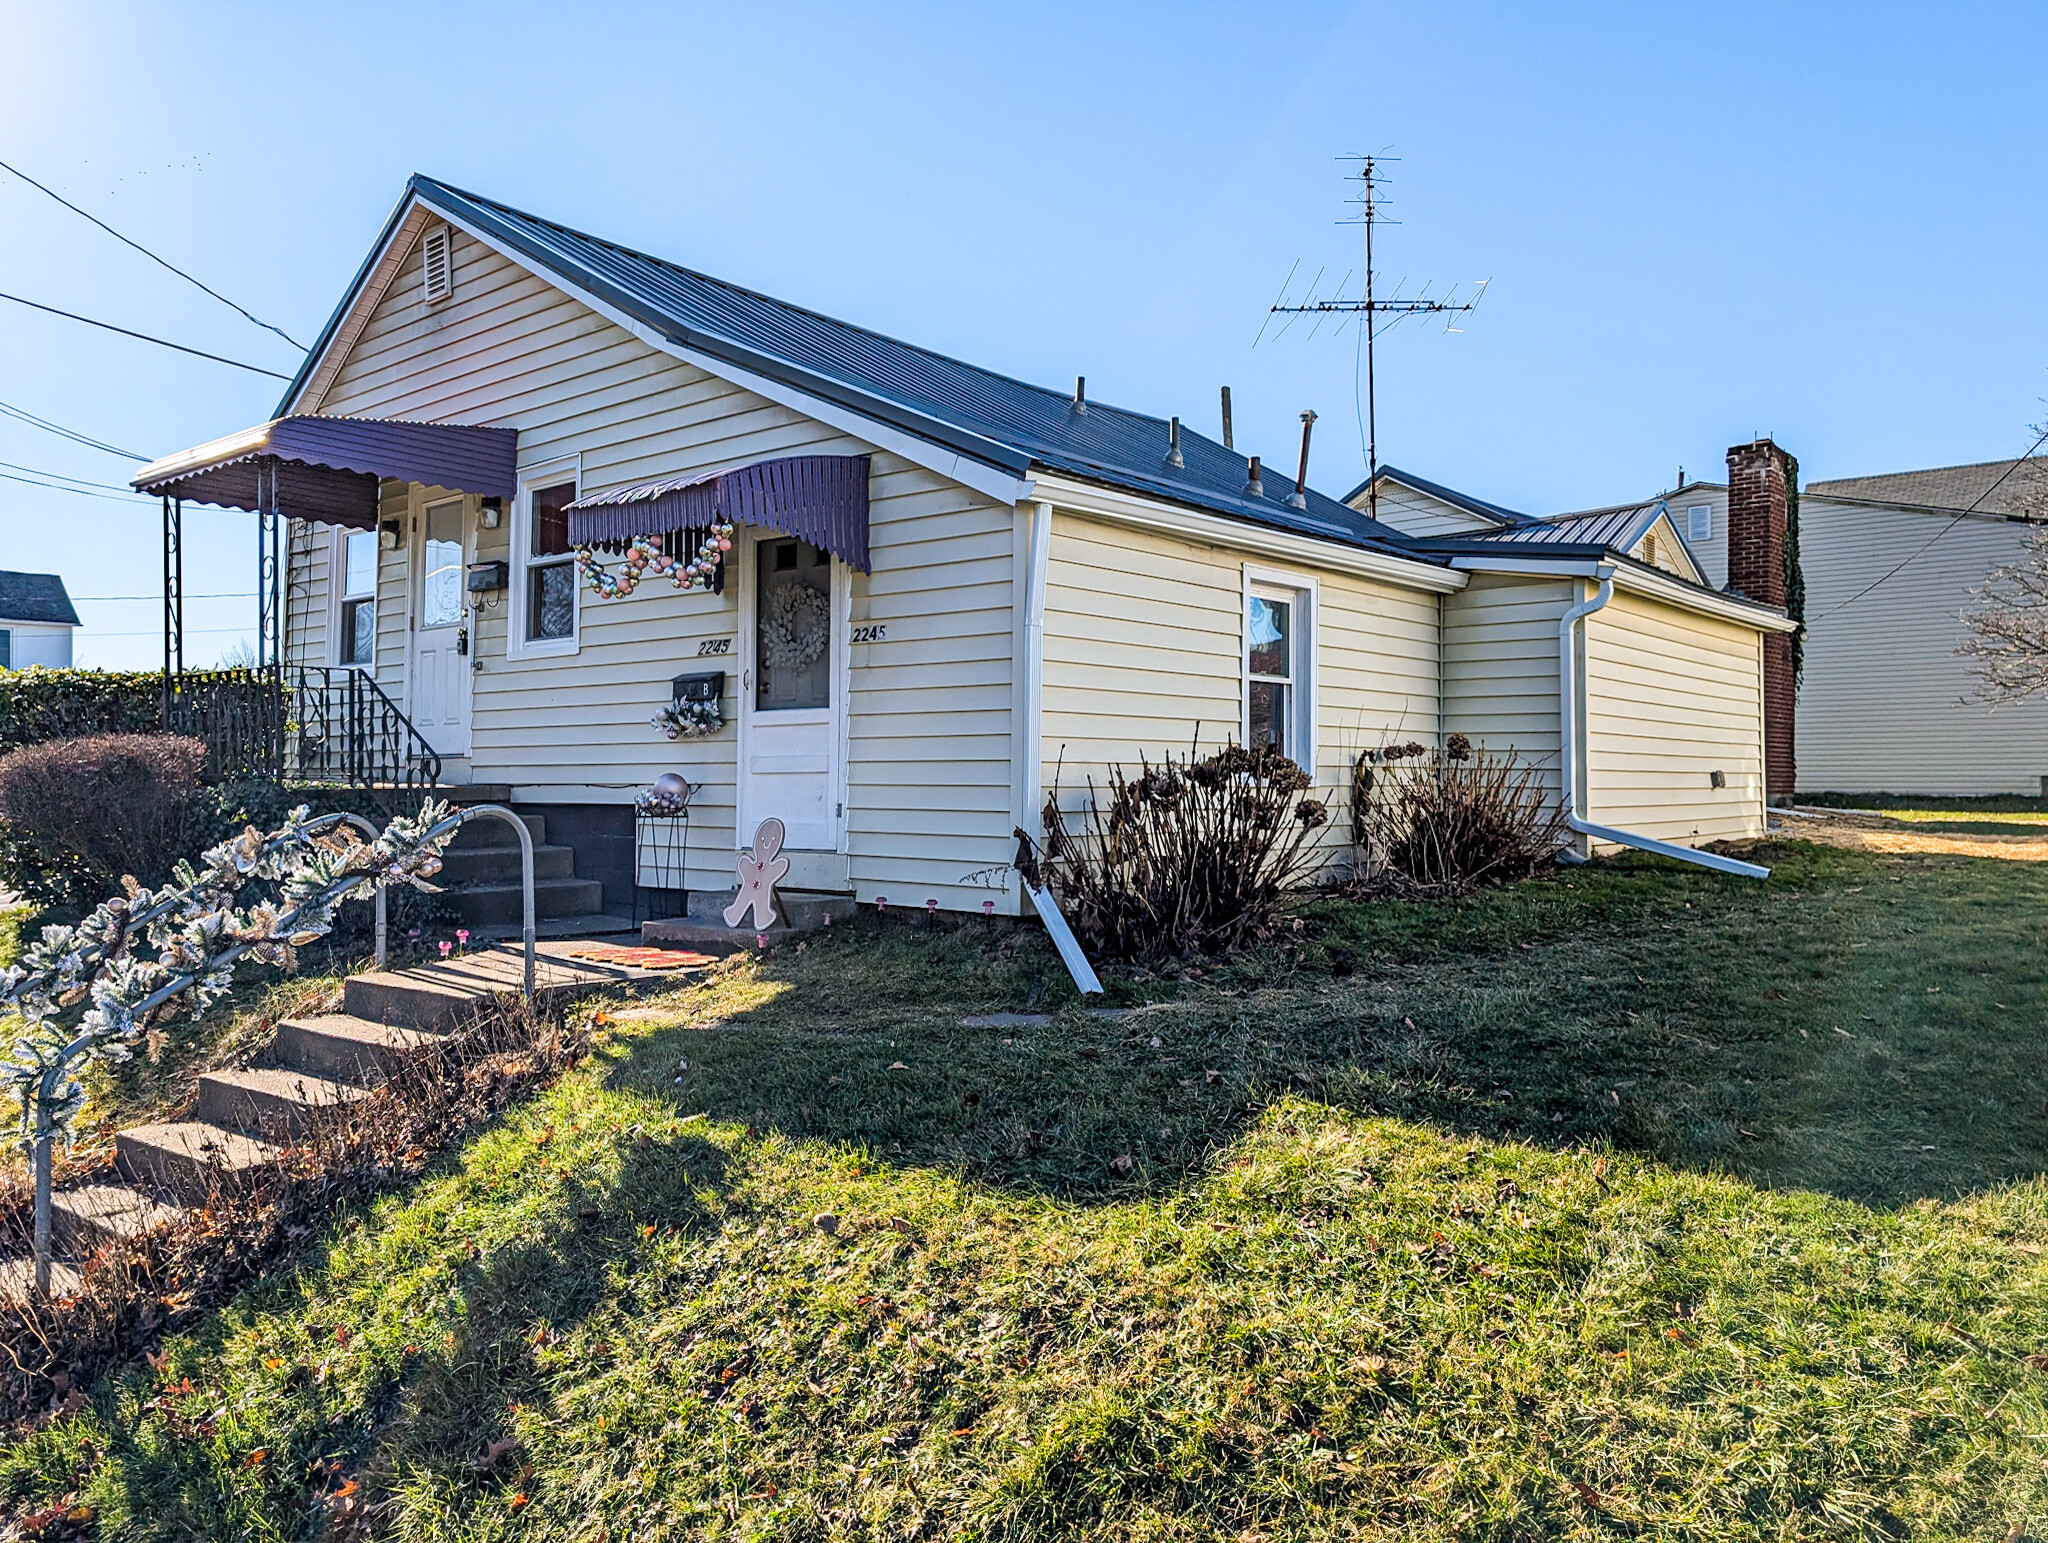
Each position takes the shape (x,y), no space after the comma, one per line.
(1672,696)
(1416,513)
(1887,703)
(929,709)
(1500,666)
(1144,655)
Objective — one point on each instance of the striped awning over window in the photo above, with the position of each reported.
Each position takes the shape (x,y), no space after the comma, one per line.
(822,499)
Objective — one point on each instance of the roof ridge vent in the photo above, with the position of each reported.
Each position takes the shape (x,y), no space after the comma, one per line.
(437,264)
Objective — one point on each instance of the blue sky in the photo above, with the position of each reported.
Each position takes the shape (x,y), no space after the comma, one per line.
(1701,223)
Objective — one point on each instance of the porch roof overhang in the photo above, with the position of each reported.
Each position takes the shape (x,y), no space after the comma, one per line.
(328,469)
(822,499)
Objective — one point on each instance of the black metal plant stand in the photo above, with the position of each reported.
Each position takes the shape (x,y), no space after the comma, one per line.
(661,850)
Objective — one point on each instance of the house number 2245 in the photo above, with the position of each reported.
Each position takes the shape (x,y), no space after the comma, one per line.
(714,646)
(872,633)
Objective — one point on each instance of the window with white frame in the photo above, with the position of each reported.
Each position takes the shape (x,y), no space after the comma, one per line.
(355,561)
(1699,522)
(545,584)
(1279,688)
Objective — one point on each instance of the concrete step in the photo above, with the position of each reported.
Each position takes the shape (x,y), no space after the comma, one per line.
(88,1218)
(345,1049)
(18,1278)
(187,1159)
(488,832)
(408,999)
(268,1101)
(464,794)
(501,904)
(467,865)
(604,923)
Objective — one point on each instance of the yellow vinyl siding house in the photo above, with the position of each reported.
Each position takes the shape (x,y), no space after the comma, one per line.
(1021,588)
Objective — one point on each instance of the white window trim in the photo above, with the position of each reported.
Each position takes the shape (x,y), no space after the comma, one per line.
(1692,533)
(517,644)
(1307,714)
(337,596)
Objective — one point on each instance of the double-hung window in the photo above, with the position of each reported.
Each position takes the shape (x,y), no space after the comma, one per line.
(1279,667)
(548,583)
(356,560)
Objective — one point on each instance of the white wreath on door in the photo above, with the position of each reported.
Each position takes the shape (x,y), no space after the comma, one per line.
(793,631)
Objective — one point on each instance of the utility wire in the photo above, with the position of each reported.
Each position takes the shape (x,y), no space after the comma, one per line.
(1951,525)
(59,487)
(146,252)
(71,434)
(37,471)
(240,594)
(145,337)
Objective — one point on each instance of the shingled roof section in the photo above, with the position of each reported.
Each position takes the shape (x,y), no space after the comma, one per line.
(991,418)
(1951,489)
(35,597)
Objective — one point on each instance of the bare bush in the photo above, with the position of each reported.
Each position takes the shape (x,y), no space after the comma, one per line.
(1428,823)
(1189,857)
(106,805)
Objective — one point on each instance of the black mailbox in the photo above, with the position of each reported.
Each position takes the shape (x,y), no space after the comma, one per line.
(703,686)
(486,576)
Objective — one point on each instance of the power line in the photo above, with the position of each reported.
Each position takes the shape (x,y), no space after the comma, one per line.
(146,252)
(239,594)
(253,369)
(37,471)
(1951,525)
(71,434)
(58,487)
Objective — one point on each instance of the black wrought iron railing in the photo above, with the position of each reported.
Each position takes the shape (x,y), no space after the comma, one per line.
(343,728)
(238,714)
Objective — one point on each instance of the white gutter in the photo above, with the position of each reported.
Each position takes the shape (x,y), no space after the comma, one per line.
(1568,739)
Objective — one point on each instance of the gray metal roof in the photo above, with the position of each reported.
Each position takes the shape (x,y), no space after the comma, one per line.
(35,597)
(1616,529)
(988,417)
(1451,496)
(1951,488)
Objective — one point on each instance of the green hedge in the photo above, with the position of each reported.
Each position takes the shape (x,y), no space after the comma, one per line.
(39,704)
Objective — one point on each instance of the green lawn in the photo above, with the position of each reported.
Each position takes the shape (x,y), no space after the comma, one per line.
(1632,1202)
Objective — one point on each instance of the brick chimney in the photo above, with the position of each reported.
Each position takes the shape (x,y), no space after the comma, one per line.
(1757,511)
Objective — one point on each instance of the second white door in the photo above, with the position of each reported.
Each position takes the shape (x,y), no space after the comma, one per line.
(793,617)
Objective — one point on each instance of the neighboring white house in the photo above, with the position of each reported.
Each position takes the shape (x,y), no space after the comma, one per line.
(943,589)
(36,621)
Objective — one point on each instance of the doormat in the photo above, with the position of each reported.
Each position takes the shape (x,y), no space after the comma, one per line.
(640,958)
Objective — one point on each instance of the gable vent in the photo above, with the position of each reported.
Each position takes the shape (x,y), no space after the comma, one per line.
(437,263)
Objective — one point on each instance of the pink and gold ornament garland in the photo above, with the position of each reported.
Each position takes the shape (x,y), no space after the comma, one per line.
(643,557)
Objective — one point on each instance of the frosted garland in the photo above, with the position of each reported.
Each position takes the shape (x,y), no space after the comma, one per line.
(643,557)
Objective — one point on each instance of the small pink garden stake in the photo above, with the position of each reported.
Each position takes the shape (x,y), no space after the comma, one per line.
(881,904)
(828,918)
(988,909)
(760,940)
(931,913)
(462,937)
(447,948)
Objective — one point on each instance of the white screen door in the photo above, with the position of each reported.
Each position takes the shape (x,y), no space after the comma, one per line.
(789,684)
(440,685)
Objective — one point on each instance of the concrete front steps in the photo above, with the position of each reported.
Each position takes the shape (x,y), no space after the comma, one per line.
(241,1118)
(798,911)
(481,874)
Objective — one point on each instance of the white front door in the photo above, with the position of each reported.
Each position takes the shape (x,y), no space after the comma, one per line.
(437,699)
(793,625)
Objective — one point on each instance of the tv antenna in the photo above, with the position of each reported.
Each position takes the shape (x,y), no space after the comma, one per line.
(1370,308)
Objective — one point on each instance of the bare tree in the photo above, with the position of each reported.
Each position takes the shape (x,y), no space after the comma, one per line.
(2008,615)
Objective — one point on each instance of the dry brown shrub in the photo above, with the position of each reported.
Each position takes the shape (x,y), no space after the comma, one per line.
(1190,857)
(105,805)
(1433,823)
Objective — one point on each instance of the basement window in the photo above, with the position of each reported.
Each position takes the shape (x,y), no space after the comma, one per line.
(437,264)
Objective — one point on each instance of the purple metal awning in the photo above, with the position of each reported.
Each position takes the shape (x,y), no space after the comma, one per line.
(327,469)
(822,499)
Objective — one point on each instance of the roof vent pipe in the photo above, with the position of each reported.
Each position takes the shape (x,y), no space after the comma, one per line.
(1080,393)
(1254,487)
(1299,498)
(1227,445)
(1173,457)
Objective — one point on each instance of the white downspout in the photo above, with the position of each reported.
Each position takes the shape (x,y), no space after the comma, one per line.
(1034,664)
(1568,743)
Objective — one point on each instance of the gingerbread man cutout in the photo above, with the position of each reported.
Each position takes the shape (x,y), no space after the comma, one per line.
(760,871)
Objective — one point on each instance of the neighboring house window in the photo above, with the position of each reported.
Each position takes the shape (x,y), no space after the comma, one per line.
(1699,523)
(356,642)
(6,649)
(544,599)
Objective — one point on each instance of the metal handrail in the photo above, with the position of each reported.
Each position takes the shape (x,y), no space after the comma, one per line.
(364,824)
(499,811)
(347,728)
